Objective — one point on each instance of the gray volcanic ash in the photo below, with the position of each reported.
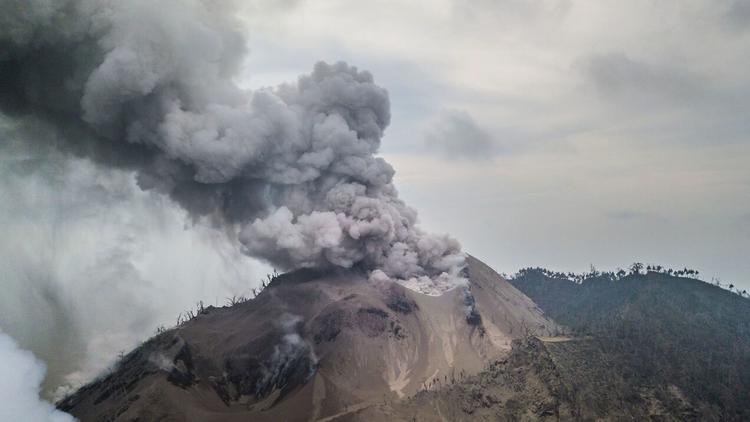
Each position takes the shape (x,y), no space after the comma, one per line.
(291,171)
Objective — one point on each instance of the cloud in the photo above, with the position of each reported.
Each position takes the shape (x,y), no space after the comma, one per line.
(634,215)
(617,76)
(454,134)
(737,15)
(19,386)
(511,12)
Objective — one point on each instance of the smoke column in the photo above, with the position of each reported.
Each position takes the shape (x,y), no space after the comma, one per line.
(292,170)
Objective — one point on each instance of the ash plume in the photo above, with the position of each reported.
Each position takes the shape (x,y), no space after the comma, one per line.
(291,170)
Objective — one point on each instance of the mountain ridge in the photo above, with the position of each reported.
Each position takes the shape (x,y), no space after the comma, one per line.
(663,330)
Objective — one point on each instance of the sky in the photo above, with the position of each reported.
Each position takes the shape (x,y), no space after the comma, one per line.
(550,133)
(560,134)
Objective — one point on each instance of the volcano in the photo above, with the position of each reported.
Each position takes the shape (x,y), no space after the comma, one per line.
(315,346)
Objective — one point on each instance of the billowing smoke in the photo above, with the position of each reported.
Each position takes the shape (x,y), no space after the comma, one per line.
(292,170)
(21,377)
(91,264)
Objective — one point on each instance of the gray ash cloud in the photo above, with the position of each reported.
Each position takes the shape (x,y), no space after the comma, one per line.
(292,170)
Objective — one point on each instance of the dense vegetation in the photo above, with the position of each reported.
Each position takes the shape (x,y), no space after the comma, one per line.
(660,329)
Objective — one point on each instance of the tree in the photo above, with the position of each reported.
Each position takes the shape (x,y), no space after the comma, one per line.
(636,268)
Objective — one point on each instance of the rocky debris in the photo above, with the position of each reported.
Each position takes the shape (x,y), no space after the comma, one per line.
(398,301)
(278,362)
(328,326)
(181,373)
(373,322)
(473,317)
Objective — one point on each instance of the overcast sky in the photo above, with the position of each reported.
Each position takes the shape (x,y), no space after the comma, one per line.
(550,133)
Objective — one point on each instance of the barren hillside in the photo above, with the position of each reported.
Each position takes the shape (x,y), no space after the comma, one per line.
(314,346)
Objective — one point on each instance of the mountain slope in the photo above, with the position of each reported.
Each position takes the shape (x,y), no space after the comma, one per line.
(313,346)
(663,332)
(542,380)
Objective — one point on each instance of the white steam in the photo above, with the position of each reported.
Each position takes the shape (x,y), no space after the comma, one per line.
(20,377)
(91,264)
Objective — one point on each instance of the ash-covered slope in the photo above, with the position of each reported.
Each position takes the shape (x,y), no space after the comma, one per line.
(314,347)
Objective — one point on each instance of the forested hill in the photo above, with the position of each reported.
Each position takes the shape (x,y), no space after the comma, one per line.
(661,330)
